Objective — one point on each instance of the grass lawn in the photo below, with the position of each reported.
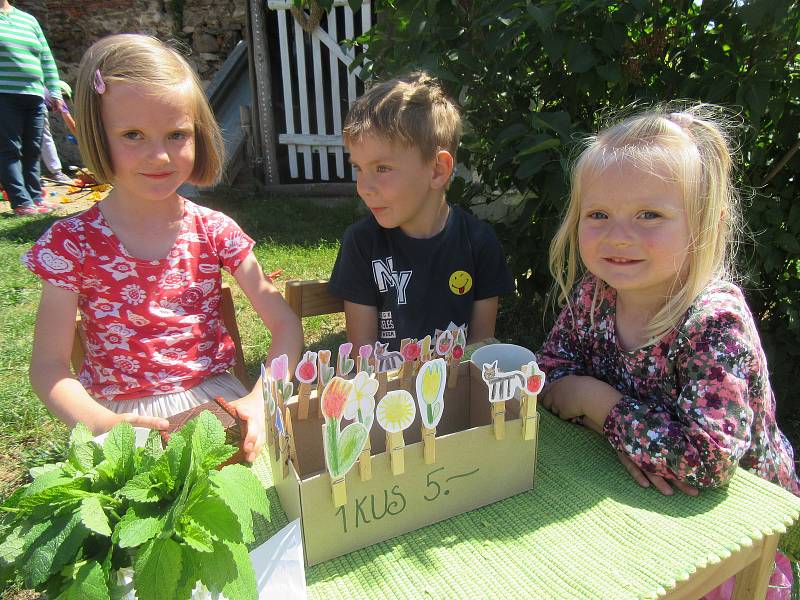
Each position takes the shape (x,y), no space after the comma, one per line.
(300,236)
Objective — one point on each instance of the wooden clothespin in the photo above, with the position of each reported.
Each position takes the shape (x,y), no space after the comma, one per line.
(534,382)
(395,445)
(429,444)
(406,368)
(499,419)
(365,462)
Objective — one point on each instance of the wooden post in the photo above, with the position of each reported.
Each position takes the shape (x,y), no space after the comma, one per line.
(395,446)
(303,395)
(429,444)
(365,462)
(499,419)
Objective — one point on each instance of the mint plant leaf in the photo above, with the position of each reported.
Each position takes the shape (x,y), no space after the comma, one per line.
(44,479)
(118,448)
(241,490)
(134,531)
(55,496)
(140,488)
(217,456)
(94,517)
(215,516)
(152,451)
(157,570)
(228,571)
(80,434)
(89,584)
(207,435)
(196,536)
(55,547)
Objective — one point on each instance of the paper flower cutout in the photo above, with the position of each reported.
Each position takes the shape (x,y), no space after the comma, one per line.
(430,391)
(279,369)
(266,391)
(342,448)
(396,411)
(344,364)
(443,343)
(360,405)
(410,351)
(535,379)
(334,397)
(306,371)
(325,371)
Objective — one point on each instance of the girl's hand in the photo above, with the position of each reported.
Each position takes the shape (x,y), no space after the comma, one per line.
(251,410)
(141,421)
(644,479)
(574,397)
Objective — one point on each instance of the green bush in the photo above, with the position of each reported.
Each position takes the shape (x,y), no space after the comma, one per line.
(532,78)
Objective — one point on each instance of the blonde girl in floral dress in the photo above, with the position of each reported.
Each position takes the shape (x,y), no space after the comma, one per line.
(656,348)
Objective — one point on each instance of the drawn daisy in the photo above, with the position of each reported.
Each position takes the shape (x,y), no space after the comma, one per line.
(396,411)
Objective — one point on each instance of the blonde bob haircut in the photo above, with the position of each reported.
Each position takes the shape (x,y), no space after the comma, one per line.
(143,60)
(412,110)
(684,145)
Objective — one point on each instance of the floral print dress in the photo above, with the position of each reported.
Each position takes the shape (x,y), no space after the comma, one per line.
(694,404)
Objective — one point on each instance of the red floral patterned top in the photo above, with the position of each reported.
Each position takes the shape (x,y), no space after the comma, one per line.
(692,405)
(152,326)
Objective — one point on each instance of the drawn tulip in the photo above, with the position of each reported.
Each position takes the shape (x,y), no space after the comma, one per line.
(430,391)
(279,369)
(342,448)
(344,364)
(325,371)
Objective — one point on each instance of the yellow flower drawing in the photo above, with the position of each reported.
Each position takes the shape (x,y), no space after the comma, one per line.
(396,411)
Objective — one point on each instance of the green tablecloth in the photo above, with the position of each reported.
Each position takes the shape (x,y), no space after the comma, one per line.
(586,530)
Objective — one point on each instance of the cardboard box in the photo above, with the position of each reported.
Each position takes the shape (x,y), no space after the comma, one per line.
(472,469)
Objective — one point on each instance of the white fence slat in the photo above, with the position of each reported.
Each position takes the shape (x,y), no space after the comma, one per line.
(336,103)
(287,90)
(300,47)
(366,19)
(349,32)
(287,4)
(319,101)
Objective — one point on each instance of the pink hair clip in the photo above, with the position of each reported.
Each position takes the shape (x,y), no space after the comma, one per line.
(681,119)
(99,84)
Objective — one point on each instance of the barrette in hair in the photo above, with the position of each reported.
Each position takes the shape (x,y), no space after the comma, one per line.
(681,119)
(99,84)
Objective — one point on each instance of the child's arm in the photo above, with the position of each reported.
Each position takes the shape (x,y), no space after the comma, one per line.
(362,324)
(50,373)
(287,338)
(482,321)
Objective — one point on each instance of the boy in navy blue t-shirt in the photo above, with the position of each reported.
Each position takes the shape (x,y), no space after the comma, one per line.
(416,264)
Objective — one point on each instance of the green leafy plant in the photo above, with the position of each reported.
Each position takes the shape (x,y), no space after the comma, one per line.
(167,513)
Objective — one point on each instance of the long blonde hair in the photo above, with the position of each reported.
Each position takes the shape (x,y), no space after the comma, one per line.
(144,60)
(691,146)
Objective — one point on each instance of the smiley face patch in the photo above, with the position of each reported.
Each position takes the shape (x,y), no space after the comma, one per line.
(460,282)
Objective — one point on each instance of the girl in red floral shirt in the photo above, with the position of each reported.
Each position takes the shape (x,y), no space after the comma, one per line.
(655,348)
(143,266)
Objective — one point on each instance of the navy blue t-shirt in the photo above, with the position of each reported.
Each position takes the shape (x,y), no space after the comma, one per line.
(420,285)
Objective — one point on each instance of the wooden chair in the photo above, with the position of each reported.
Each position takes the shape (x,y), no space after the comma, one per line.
(310,297)
(228,317)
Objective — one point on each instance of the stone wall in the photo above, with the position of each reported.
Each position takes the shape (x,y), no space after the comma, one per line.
(206,29)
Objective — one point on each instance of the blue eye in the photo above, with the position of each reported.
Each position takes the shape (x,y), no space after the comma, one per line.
(179,135)
(597,215)
(132,135)
(650,215)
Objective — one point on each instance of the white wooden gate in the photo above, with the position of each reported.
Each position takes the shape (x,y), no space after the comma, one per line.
(316,138)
